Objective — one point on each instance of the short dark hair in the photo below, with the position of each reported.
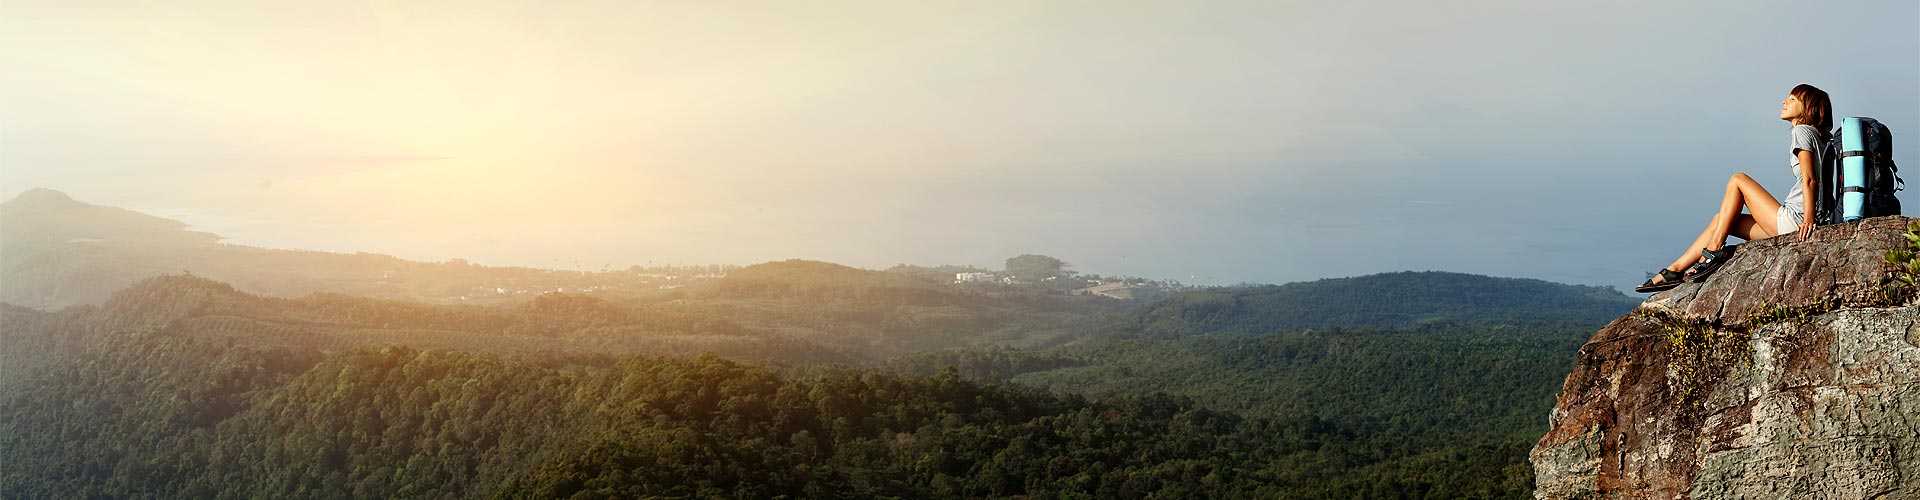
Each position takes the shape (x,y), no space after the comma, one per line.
(1817,107)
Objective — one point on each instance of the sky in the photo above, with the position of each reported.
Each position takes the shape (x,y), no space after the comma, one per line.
(1208,142)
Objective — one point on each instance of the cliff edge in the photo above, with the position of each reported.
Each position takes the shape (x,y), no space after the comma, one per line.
(1792,372)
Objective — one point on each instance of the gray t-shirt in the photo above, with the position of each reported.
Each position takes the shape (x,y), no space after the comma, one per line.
(1808,138)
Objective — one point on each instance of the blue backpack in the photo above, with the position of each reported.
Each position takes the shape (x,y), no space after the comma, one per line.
(1857,177)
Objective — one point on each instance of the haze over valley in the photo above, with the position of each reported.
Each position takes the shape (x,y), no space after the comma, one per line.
(1322,372)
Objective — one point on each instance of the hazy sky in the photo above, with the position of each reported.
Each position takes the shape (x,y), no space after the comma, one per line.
(1212,142)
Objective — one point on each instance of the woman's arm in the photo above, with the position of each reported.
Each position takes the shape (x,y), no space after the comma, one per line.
(1810,197)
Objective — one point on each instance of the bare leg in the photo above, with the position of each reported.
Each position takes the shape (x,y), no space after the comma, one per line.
(1742,192)
(1745,227)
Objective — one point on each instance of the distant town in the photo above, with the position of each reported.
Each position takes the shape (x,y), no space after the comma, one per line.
(1124,288)
(1023,272)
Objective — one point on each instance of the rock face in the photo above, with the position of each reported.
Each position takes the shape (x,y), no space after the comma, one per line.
(1792,372)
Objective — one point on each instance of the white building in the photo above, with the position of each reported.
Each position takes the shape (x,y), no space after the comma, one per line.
(972,277)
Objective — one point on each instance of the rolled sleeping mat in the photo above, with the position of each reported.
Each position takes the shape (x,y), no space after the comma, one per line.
(1853,169)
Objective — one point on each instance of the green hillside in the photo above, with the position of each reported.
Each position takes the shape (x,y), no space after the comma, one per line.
(954,391)
(172,411)
(1389,300)
(1397,397)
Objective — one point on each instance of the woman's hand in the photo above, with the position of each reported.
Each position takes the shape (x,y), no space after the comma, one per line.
(1806,229)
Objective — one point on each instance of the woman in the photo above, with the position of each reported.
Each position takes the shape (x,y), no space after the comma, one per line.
(1811,114)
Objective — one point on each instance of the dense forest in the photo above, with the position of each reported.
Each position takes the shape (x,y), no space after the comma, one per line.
(184,387)
(164,412)
(366,376)
(1461,397)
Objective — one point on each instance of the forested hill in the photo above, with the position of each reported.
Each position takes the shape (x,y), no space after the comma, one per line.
(1409,385)
(551,324)
(774,324)
(1390,300)
(186,386)
(1418,371)
(168,391)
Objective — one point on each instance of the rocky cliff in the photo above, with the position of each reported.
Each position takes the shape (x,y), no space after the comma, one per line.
(1792,372)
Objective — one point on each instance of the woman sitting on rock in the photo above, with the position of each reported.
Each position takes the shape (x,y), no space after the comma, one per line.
(1811,114)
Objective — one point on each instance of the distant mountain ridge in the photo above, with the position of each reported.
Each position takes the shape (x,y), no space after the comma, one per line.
(1388,300)
(42,216)
(60,251)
